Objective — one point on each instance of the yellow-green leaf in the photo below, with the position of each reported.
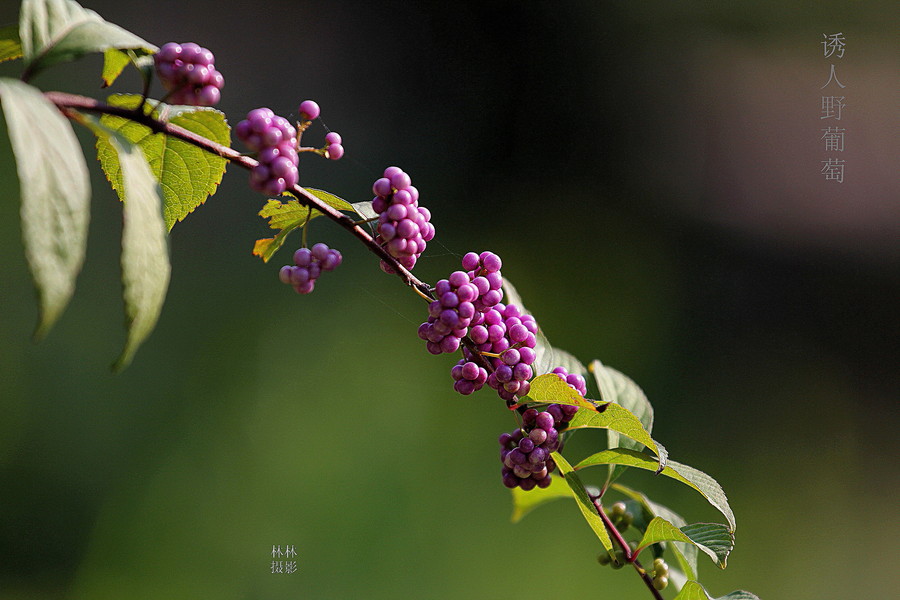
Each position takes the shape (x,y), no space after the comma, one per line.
(10,44)
(550,388)
(622,420)
(187,175)
(712,538)
(585,505)
(708,487)
(692,590)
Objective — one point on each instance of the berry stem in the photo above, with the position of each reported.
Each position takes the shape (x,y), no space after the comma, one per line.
(73,102)
(630,556)
(305,223)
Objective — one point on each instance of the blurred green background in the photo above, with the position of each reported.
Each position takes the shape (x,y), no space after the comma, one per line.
(649,173)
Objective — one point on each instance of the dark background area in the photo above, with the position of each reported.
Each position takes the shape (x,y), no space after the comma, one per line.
(650,174)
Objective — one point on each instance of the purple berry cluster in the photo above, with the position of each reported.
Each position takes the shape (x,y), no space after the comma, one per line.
(525,453)
(460,299)
(511,334)
(275,140)
(575,381)
(309,265)
(403,226)
(449,316)
(484,271)
(187,72)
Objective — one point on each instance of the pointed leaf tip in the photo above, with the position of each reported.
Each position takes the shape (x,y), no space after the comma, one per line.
(55,195)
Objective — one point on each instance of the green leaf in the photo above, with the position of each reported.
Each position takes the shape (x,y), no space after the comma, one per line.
(145,256)
(712,538)
(620,419)
(694,591)
(331,200)
(10,44)
(187,175)
(588,511)
(114,61)
(54,31)
(547,357)
(55,194)
(708,487)
(685,554)
(616,387)
(291,215)
(525,502)
(550,388)
(286,216)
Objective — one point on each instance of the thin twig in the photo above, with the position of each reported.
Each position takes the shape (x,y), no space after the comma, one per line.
(73,101)
(629,555)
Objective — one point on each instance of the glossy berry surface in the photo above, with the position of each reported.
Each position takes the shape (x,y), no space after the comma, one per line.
(309,110)
(188,73)
(525,452)
(404,227)
(309,263)
(275,141)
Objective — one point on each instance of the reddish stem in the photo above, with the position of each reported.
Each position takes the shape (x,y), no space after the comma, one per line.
(71,101)
(630,556)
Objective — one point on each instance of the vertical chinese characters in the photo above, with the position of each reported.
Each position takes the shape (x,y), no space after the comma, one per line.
(832,108)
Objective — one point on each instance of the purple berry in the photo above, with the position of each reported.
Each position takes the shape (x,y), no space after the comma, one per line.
(309,266)
(188,74)
(308,110)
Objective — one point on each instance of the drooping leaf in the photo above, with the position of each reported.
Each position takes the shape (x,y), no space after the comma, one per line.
(694,591)
(623,421)
(549,388)
(588,511)
(616,387)
(10,44)
(286,216)
(331,200)
(712,538)
(291,215)
(685,554)
(54,31)
(547,357)
(187,175)
(145,256)
(525,502)
(55,194)
(114,61)
(708,487)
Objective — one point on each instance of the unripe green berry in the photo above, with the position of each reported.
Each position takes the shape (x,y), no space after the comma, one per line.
(660,582)
(604,558)
(619,561)
(617,510)
(624,522)
(660,568)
